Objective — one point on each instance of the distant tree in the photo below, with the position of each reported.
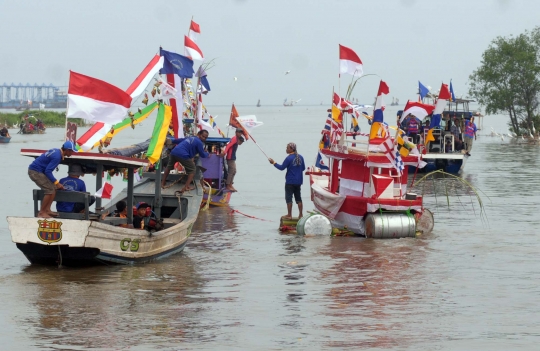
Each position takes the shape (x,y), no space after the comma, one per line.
(508,79)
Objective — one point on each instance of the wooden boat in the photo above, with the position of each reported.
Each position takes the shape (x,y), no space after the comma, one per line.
(363,193)
(76,239)
(4,139)
(215,173)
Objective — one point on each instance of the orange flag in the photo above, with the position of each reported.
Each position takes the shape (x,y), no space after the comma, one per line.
(233,122)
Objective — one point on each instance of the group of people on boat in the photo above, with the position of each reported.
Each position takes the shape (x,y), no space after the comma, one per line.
(27,127)
(4,132)
(463,133)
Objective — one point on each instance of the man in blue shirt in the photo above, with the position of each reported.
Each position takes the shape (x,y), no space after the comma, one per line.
(294,163)
(184,153)
(73,183)
(40,171)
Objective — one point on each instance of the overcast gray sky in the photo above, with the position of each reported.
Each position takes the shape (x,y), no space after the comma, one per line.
(402,41)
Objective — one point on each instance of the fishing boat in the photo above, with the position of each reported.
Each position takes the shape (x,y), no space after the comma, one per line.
(79,239)
(362,193)
(395,102)
(4,139)
(215,174)
(259,103)
(290,103)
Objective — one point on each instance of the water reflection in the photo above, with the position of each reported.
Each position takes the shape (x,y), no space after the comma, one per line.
(371,283)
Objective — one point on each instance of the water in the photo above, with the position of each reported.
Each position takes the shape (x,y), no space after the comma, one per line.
(239,284)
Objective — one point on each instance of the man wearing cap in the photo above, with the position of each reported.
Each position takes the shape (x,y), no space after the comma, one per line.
(40,171)
(73,183)
(294,163)
(230,155)
(184,152)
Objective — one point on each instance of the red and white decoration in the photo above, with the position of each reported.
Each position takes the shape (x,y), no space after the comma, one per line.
(349,62)
(192,50)
(105,192)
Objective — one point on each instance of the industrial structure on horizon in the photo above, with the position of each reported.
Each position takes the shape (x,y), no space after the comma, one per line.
(25,97)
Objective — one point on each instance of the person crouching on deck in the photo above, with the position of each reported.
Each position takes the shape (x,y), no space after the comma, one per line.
(184,153)
(73,183)
(294,163)
(40,171)
(230,153)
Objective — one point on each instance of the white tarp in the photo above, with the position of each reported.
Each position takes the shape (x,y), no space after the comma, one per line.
(326,202)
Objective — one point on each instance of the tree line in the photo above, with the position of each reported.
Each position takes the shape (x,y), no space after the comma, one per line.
(49,118)
(508,80)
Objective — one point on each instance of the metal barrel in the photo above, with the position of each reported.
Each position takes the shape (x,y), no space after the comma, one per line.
(390,226)
(314,224)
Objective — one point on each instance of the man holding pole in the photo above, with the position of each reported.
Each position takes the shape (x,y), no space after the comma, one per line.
(294,163)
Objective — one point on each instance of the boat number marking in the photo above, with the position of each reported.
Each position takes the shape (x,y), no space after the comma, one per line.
(132,245)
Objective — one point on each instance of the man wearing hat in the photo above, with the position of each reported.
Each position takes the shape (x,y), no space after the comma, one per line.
(230,155)
(73,183)
(40,171)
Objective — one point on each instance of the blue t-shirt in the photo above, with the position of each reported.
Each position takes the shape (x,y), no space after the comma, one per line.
(70,184)
(47,163)
(188,148)
(295,173)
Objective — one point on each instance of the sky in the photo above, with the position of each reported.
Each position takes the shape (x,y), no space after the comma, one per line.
(257,41)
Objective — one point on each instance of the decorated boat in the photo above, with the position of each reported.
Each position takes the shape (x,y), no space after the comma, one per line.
(86,238)
(4,139)
(215,173)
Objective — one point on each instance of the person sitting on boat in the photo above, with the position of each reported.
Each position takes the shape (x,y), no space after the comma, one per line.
(30,127)
(73,183)
(121,212)
(40,171)
(230,155)
(4,132)
(470,133)
(294,163)
(448,147)
(184,153)
(413,128)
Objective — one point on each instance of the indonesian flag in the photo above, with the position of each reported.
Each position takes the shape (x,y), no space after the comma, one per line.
(193,51)
(194,31)
(105,192)
(417,109)
(349,62)
(96,100)
(100,129)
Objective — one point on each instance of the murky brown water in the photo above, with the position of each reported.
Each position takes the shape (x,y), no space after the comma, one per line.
(470,285)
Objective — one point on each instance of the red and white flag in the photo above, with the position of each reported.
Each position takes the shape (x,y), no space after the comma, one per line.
(417,109)
(335,132)
(177,105)
(96,100)
(349,62)
(143,80)
(194,31)
(105,192)
(192,50)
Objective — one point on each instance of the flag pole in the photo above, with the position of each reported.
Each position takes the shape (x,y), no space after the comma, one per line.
(67,109)
(251,136)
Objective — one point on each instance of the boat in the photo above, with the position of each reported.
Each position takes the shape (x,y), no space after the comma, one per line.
(80,239)
(215,174)
(362,193)
(290,103)
(259,103)
(27,127)
(435,154)
(4,139)
(395,101)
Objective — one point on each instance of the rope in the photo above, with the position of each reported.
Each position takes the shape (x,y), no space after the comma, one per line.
(176,181)
(178,195)
(209,199)
(243,214)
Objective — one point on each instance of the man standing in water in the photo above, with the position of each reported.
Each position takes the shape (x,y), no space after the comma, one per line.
(294,163)
(184,153)
(40,171)
(470,133)
(230,153)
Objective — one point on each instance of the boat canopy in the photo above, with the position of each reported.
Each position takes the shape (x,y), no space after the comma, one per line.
(93,160)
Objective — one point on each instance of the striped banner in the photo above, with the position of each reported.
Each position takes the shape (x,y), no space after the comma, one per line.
(159,134)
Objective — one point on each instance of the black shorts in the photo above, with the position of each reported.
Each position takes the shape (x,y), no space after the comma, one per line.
(291,190)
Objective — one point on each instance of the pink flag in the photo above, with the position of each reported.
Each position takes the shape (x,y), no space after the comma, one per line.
(105,192)
(193,51)
(194,31)
(349,62)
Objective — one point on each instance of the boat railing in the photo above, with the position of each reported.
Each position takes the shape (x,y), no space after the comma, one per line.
(65,196)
